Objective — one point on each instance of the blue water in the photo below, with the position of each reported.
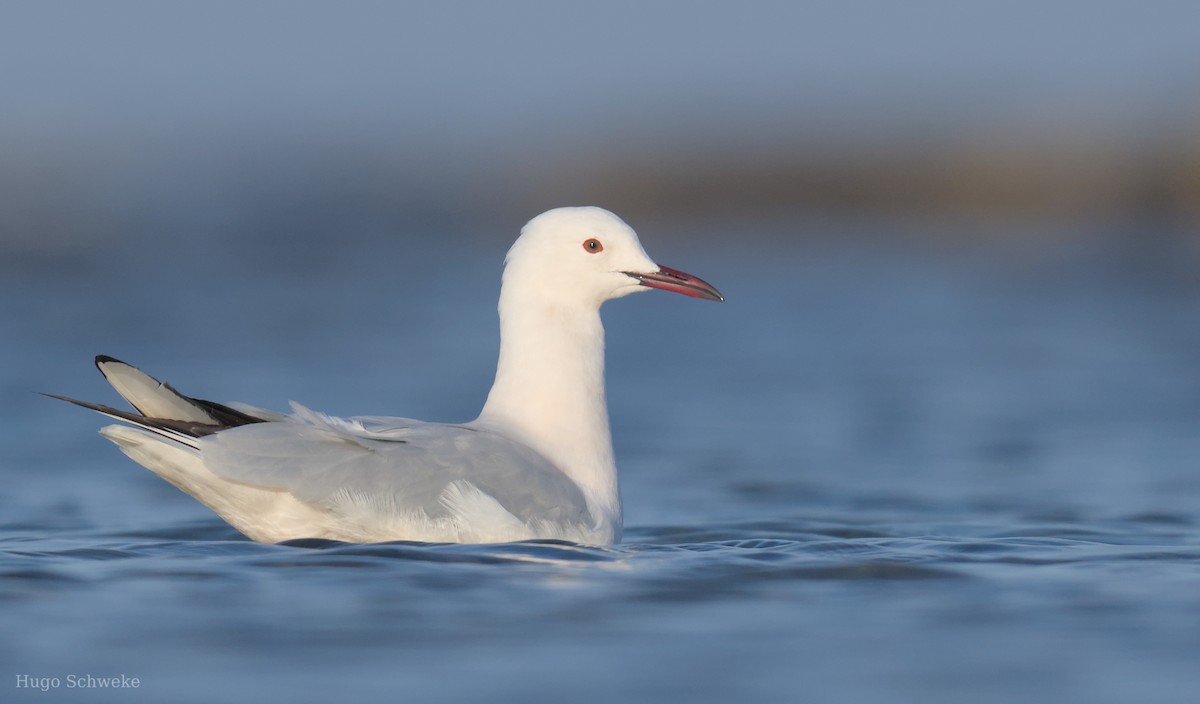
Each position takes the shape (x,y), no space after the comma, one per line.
(877,473)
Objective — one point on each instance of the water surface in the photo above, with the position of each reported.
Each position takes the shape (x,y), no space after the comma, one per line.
(871,475)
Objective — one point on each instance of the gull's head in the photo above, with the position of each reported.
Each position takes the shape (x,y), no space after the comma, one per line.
(589,255)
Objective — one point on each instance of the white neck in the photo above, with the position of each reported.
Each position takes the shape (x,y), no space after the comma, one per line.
(549,392)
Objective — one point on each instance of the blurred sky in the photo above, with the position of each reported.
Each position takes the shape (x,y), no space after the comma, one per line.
(125,107)
(479,70)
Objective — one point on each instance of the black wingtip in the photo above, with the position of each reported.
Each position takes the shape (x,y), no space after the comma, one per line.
(98,407)
(103,359)
(156,425)
(68,399)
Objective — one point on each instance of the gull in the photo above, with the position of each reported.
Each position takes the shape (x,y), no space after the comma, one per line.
(536,464)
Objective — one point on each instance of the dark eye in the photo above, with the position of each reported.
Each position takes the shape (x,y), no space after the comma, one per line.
(593,245)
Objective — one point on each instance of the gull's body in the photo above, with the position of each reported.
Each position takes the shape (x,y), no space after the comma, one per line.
(536,463)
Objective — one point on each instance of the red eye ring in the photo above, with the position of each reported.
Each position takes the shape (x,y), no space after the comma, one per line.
(592,246)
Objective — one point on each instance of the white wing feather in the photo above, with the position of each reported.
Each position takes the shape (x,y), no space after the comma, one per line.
(151,397)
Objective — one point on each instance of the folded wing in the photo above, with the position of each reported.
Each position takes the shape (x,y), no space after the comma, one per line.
(392,465)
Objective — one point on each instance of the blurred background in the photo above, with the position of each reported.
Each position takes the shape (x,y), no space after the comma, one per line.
(311,123)
(939,444)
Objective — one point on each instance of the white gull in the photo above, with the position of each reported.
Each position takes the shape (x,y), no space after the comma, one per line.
(536,464)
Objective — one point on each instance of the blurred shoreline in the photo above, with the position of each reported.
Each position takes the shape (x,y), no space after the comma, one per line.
(65,201)
(1007,176)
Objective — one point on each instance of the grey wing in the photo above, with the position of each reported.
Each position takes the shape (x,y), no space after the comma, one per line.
(331,463)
